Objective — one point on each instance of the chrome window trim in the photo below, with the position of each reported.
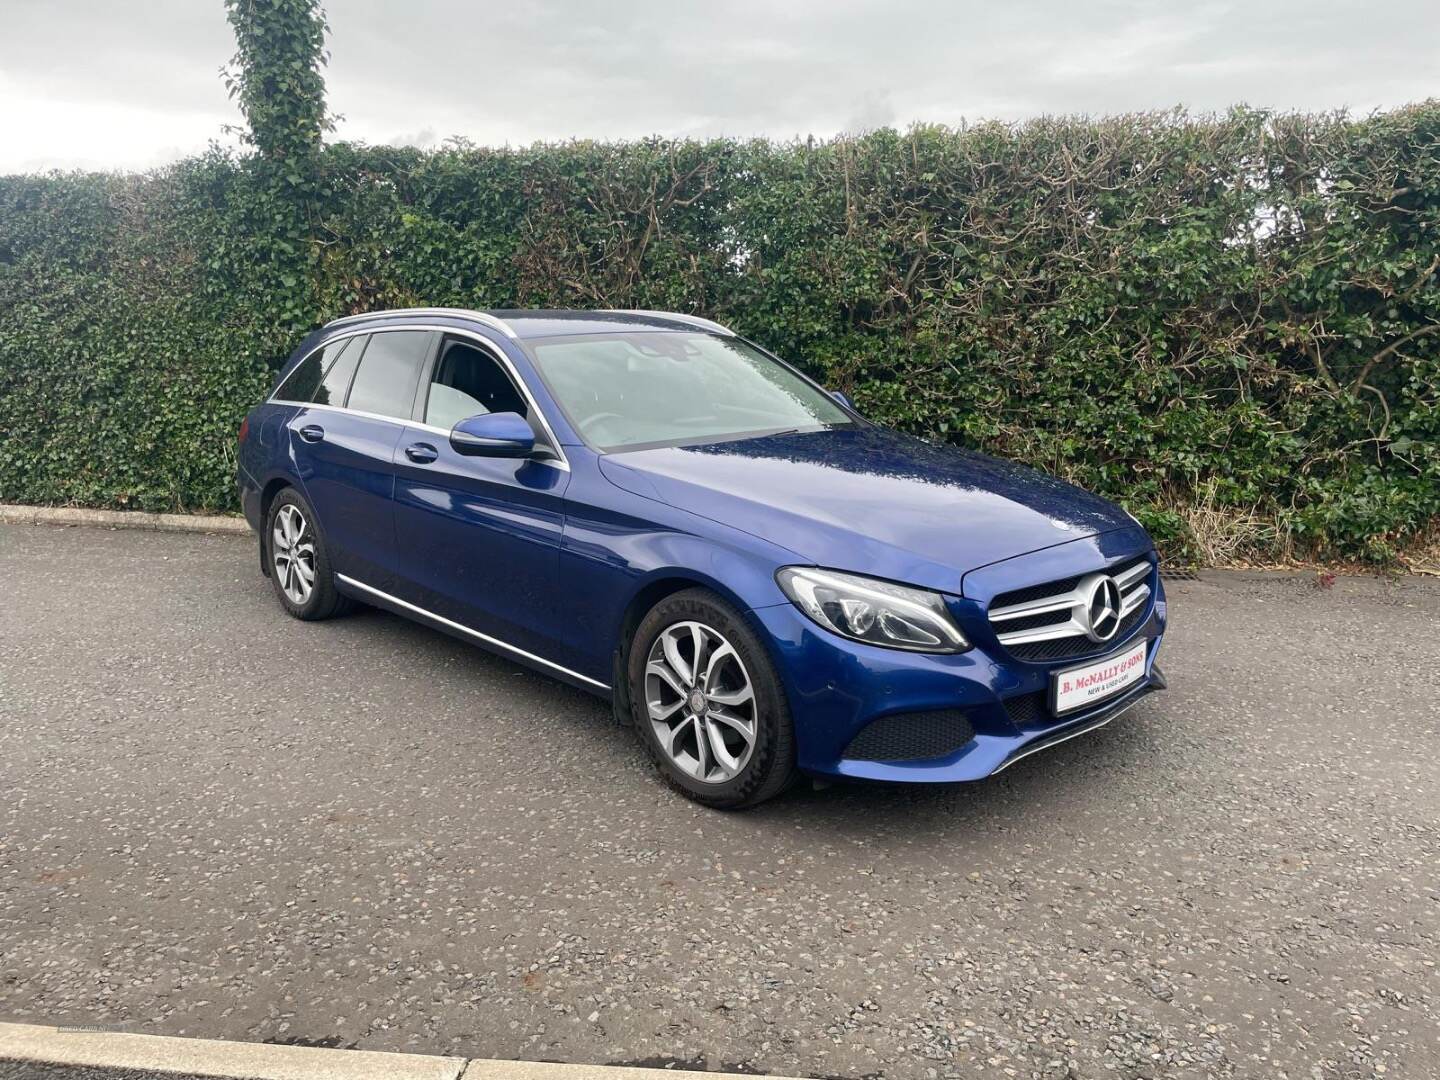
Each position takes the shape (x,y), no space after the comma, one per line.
(465,313)
(367,416)
(673,316)
(560,461)
(462,628)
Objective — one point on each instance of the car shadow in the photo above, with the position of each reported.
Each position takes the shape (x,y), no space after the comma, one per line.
(1048,784)
(1053,786)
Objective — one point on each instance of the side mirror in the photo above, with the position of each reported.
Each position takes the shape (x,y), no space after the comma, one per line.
(503,435)
(843,400)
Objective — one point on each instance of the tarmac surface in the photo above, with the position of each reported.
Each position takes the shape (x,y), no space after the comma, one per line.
(217,821)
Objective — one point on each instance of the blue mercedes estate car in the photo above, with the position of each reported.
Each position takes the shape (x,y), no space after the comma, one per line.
(651,508)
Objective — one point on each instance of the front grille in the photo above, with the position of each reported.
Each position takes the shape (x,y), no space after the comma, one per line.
(1064,648)
(1051,621)
(1035,592)
(912,736)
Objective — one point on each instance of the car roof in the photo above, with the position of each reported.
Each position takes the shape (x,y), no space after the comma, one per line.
(538,323)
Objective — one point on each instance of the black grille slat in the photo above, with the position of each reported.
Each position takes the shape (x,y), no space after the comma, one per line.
(1035,592)
(912,736)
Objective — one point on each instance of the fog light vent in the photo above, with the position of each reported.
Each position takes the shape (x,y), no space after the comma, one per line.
(916,736)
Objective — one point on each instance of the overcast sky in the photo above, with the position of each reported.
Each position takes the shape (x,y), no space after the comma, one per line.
(135,83)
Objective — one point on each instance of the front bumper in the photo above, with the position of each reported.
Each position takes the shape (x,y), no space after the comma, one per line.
(838,687)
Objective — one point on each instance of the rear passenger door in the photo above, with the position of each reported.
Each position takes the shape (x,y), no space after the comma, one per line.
(343,441)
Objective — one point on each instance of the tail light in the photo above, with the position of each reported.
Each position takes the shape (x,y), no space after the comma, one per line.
(244,430)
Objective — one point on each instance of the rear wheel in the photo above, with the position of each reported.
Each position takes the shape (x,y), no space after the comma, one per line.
(299,562)
(708,704)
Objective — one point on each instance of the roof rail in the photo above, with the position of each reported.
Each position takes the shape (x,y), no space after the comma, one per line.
(691,320)
(464,313)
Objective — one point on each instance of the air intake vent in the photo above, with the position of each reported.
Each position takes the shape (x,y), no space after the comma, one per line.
(912,736)
(1028,709)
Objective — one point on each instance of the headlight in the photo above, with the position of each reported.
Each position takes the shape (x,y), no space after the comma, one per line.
(873,611)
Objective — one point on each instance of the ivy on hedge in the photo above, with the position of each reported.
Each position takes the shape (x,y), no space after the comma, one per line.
(1230,324)
(276,78)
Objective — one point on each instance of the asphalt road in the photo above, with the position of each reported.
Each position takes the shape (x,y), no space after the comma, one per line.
(217,821)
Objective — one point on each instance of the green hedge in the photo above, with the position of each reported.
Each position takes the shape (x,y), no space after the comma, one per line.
(1228,324)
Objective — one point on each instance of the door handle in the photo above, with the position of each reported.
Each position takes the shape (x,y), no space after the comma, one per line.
(421,453)
(312,433)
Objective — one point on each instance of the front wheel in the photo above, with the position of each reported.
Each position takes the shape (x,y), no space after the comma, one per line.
(708,703)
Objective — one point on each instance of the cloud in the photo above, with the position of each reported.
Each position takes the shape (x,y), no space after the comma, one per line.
(93,81)
(423,139)
(873,110)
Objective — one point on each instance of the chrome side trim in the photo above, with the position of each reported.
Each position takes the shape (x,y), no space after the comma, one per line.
(558,462)
(673,316)
(464,313)
(494,643)
(1083,729)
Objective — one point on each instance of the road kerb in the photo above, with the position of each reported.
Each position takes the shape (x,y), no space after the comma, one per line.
(206,1057)
(90,1048)
(121,519)
(491,1069)
(213,1058)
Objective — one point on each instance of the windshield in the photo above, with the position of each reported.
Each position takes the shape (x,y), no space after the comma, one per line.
(661,388)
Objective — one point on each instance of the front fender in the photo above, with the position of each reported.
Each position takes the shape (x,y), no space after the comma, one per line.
(621,547)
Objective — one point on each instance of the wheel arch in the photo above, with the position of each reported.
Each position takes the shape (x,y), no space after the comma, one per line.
(651,591)
(268,492)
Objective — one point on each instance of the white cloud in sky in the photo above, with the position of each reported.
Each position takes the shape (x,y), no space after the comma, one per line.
(101,84)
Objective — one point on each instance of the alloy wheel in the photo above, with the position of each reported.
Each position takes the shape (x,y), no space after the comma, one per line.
(292,545)
(700,702)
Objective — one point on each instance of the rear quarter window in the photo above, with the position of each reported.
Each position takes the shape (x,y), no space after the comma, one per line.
(336,380)
(314,378)
(304,378)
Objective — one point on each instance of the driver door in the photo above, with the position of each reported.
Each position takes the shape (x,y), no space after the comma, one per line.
(478,537)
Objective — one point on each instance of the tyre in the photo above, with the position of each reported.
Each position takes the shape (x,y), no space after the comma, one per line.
(708,704)
(298,561)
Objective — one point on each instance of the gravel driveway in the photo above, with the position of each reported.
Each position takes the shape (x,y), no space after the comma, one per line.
(216,821)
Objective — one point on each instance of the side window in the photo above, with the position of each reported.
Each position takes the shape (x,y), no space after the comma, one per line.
(301,383)
(337,376)
(469,381)
(389,372)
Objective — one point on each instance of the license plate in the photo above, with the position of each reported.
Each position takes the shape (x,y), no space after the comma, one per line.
(1081,687)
